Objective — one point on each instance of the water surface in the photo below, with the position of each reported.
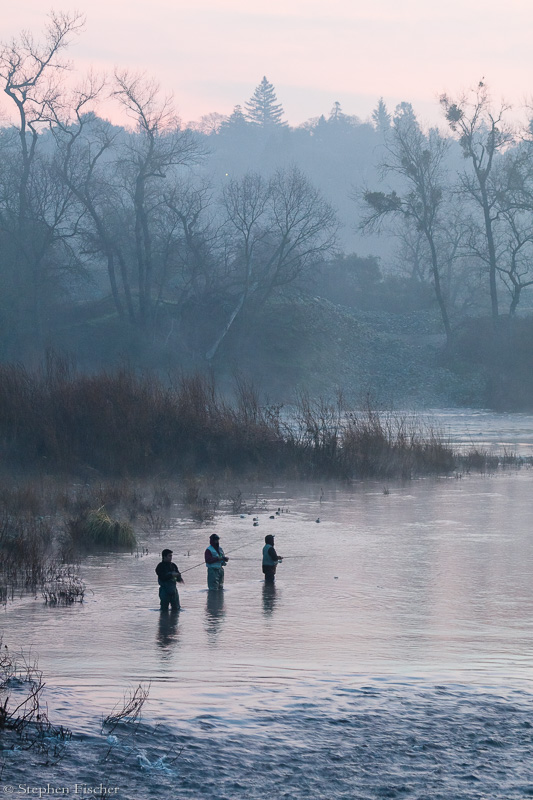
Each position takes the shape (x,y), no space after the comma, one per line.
(392,658)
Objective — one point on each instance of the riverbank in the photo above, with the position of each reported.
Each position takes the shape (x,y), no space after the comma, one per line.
(293,344)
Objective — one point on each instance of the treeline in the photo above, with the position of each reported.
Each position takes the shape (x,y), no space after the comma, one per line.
(180,235)
(84,201)
(457,202)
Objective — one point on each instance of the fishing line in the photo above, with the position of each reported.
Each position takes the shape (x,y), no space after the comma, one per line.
(254,558)
(233,550)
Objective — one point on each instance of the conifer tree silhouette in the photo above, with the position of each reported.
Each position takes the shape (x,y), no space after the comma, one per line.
(236,121)
(262,108)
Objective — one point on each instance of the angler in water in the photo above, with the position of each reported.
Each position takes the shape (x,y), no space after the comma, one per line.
(270,559)
(215,561)
(168,576)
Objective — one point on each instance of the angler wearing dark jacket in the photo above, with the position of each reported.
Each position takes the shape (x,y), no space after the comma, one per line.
(270,559)
(168,575)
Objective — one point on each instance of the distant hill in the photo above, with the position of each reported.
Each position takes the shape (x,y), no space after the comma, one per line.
(314,346)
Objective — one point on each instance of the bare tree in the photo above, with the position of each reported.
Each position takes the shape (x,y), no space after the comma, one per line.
(209,124)
(277,231)
(517,273)
(483,134)
(153,152)
(85,151)
(31,74)
(514,204)
(36,214)
(140,213)
(418,159)
(193,244)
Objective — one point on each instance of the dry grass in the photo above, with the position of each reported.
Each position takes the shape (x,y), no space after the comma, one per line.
(23,715)
(97,529)
(119,425)
(63,586)
(123,424)
(129,710)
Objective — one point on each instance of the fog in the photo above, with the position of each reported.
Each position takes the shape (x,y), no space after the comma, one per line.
(340,254)
(215,326)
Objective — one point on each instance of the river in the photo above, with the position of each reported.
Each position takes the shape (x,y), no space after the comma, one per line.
(392,658)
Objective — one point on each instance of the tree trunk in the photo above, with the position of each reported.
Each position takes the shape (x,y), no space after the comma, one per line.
(492,256)
(438,289)
(212,350)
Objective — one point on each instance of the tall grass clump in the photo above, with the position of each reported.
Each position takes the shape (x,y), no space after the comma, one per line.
(98,529)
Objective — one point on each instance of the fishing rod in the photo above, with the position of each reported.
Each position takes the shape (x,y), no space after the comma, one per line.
(233,550)
(254,558)
(284,557)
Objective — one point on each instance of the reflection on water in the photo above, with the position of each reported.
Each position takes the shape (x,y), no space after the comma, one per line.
(269,597)
(431,578)
(167,632)
(429,581)
(214,614)
(395,649)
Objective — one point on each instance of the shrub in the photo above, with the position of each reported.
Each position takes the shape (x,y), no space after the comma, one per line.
(98,529)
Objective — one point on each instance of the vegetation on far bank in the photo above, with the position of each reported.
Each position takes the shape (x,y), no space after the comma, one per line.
(124,424)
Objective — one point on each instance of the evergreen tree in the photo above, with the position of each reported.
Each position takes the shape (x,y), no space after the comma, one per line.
(381,117)
(236,121)
(262,109)
(336,114)
(340,120)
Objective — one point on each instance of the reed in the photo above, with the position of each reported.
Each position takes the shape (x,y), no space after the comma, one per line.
(481,460)
(122,425)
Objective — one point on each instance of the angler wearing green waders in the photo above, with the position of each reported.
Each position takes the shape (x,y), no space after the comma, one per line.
(215,560)
(270,559)
(168,575)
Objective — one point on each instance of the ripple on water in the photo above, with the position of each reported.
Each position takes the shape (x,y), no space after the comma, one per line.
(391,740)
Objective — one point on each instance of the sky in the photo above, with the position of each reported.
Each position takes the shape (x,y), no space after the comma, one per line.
(212,53)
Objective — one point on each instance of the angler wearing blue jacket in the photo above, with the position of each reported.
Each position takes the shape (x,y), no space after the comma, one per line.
(215,560)
(270,559)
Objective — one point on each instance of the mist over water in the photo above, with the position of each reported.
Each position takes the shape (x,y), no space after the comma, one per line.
(466,428)
(392,658)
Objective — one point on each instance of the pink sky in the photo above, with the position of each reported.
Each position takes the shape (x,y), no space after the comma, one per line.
(212,53)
